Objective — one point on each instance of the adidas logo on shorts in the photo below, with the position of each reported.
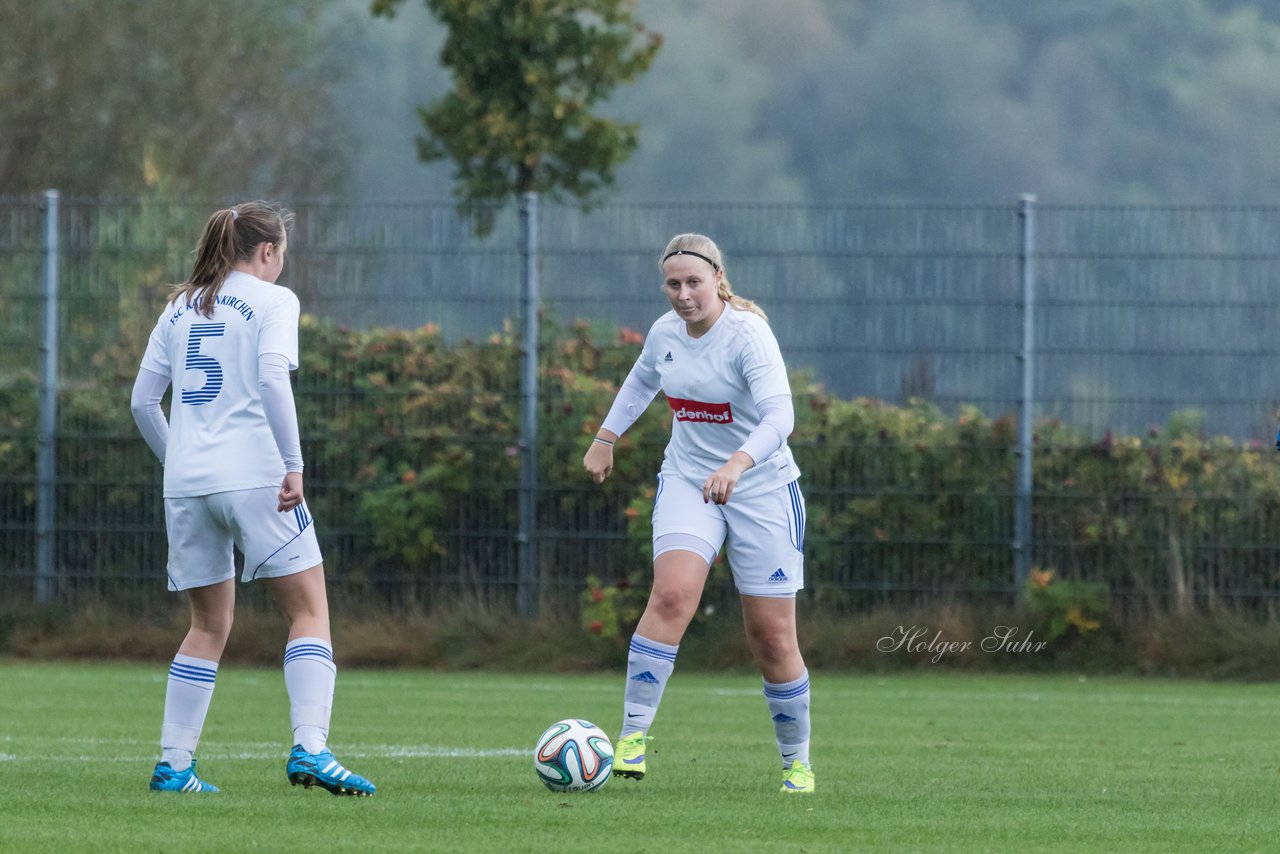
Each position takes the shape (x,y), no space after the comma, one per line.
(778,576)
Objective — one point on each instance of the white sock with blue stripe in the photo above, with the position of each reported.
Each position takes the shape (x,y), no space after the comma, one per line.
(309,674)
(789,708)
(649,666)
(186,702)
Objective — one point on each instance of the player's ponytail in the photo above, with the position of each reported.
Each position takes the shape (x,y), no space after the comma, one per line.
(230,235)
(704,247)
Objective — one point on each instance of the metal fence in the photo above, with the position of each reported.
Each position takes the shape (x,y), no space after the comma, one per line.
(1141,312)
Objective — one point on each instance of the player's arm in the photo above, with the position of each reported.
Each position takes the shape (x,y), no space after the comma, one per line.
(282,417)
(766,375)
(148,390)
(637,392)
(777,419)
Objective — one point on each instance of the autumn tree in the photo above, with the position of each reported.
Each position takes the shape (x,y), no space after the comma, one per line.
(527,76)
(170,96)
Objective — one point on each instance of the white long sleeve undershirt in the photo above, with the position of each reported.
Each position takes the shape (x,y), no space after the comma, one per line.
(277,403)
(631,401)
(148,391)
(777,420)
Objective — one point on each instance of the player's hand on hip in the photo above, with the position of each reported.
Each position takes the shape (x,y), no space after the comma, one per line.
(720,485)
(290,491)
(598,461)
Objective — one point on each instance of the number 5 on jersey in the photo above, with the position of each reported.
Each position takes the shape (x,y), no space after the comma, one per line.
(197,361)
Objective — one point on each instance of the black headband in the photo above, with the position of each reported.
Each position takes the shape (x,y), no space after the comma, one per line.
(713,264)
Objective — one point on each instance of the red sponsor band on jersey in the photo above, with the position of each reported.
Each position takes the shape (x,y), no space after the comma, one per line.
(700,412)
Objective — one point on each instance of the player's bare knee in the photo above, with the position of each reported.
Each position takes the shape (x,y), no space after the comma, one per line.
(772,647)
(214,628)
(672,605)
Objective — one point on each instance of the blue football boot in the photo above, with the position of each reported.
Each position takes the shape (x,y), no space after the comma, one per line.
(165,779)
(321,769)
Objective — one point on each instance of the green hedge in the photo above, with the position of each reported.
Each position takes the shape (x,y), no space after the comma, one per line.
(411,444)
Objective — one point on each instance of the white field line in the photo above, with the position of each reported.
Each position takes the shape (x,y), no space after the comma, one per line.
(258,751)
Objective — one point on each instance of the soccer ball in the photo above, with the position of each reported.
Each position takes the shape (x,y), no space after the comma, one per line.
(573,756)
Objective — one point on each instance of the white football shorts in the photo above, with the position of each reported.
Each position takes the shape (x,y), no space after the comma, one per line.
(764,533)
(203,529)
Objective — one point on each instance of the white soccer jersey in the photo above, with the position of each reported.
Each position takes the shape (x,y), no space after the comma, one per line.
(219,438)
(712,384)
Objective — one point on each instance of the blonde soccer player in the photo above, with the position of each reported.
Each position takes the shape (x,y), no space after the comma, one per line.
(728,478)
(226,341)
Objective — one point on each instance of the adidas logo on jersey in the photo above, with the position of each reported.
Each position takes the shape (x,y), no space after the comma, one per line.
(667,358)
(646,676)
(778,576)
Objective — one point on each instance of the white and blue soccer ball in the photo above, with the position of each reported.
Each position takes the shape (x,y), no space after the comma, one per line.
(573,756)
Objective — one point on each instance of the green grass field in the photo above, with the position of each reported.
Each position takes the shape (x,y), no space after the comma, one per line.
(910,762)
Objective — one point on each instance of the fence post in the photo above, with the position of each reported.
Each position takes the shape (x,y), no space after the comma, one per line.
(1023,538)
(527,535)
(46,432)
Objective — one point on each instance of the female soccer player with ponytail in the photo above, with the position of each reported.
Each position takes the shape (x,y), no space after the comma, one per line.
(727,477)
(226,341)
